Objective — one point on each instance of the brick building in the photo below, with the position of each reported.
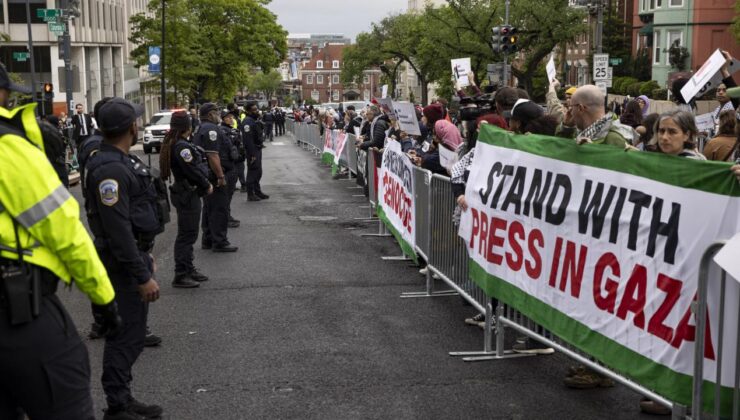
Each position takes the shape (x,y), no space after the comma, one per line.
(321,78)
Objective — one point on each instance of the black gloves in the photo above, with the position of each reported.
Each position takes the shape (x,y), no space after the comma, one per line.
(107,317)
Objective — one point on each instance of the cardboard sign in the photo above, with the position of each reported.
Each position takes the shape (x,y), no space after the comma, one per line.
(406,114)
(460,69)
(550,68)
(384,91)
(386,106)
(708,76)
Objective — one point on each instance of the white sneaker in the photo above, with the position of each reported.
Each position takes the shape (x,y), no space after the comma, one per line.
(423,271)
(476,320)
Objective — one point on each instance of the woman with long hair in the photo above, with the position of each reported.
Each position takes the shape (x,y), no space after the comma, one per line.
(186,162)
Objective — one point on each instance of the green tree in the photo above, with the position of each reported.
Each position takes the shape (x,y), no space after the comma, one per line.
(463,29)
(736,23)
(265,83)
(210,44)
(617,41)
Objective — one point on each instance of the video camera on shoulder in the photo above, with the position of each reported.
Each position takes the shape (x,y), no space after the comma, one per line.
(472,107)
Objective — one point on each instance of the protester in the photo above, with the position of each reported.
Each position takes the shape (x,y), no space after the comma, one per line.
(644,104)
(724,145)
(676,134)
(632,114)
(595,125)
(377,126)
(646,130)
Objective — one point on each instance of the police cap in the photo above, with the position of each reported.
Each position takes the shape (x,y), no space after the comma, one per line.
(207,108)
(117,115)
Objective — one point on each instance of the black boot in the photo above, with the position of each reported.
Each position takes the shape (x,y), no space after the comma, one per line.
(253,197)
(184,281)
(198,276)
(261,195)
(149,411)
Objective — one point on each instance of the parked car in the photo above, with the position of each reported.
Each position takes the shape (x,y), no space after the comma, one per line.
(158,126)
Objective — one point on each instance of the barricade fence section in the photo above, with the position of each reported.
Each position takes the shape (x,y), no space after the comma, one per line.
(437,243)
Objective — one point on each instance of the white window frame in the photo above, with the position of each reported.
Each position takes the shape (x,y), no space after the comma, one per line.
(366,95)
(319,64)
(315,95)
(335,79)
(309,79)
(335,64)
(656,47)
(669,39)
(319,79)
(670,4)
(366,79)
(335,95)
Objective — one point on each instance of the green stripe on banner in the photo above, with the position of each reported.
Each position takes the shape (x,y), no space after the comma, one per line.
(662,380)
(327,158)
(708,176)
(406,248)
(334,168)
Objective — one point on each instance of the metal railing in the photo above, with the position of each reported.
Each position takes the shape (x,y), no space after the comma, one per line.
(438,243)
(722,405)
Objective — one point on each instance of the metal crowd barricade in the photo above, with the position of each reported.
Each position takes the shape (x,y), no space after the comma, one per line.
(351,149)
(726,309)
(422,180)
(372,164)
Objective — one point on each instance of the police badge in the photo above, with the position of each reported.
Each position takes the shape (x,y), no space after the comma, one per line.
(108,192)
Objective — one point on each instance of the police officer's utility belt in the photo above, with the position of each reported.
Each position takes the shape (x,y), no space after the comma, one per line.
(22,286)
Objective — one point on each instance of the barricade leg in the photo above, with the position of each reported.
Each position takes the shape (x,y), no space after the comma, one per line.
(429,292)
(498,331)
(382,231)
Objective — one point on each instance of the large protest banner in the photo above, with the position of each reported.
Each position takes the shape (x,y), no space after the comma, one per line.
(329,153)
(396,196)
(602,247)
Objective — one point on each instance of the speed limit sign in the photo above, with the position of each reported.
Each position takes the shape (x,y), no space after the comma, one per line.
(601,65)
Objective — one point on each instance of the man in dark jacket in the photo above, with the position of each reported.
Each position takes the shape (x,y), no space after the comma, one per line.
(378,128)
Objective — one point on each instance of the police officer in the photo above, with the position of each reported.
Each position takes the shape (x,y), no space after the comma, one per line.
(215,217)
(187,162)
(233,135)
(125,214)
(44,366)
(253,142)
(268,118)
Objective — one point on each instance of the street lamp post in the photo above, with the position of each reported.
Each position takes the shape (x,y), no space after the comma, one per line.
(30,48)
(163,86)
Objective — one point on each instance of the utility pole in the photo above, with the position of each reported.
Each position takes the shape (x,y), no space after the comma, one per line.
(506,56)
(599,25)
(30,48)
(163,86)
(70,12)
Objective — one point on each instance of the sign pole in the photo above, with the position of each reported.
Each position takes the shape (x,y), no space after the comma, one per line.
(30,48)
(506,55)
(163,85)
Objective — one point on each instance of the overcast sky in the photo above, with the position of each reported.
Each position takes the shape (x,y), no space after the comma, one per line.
(333,16)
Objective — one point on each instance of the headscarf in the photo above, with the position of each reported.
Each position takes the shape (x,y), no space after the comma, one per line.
(647,104)
(434,113)
(493,119)
(448,133)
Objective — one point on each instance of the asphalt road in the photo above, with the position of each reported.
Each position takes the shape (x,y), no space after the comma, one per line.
(305,322)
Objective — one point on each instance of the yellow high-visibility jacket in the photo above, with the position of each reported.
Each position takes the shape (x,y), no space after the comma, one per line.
(47,216)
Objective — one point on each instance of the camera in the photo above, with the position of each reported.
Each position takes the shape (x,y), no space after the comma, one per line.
(472,107)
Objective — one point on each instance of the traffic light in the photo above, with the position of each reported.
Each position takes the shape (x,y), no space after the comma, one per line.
(504,39)
(48,91)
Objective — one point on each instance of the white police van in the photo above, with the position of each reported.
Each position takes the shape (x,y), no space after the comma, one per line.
(155,131)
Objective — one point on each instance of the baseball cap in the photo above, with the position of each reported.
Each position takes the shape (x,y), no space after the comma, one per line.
(571,90)
(206,108)
(117,115)
(5,82)
(525,111)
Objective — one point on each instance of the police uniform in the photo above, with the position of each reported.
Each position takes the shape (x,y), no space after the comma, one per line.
(125,214)
(44,366)
(215,216)
(189,167)
(253,142)
(234,139)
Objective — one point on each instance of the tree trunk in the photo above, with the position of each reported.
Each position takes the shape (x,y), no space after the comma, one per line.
(424,91)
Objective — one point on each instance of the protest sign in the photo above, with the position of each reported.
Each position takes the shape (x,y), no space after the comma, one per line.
(550,68)
(727,257)
(460,69)
(396,196)
(705,122)
(386,106)
(406,114)
(328,154)
(708,76)
(340,139)
(384,91)
(447,158)
(602,248)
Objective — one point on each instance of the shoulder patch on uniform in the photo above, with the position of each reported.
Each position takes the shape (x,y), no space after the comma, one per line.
(212,135)
(246,128)
(108,192)
(186,155)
